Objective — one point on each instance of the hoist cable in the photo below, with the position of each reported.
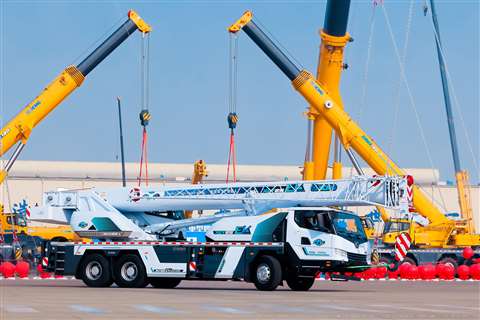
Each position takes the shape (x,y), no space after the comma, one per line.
(232,117)
(145,102)
(278,43)
(410,96)
(456,101)
(399,83)
(367,63)
(114,26)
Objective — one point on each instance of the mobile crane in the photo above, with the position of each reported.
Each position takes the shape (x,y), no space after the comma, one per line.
(329,68)
(441,232)
(199,171)
(394,226)
(299,239)
(18,130)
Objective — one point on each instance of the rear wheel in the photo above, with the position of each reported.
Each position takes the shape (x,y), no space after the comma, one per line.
(95,271)
(129,272)
(297,283)
(449,261)
(164,283)
(409,260)
(267,273)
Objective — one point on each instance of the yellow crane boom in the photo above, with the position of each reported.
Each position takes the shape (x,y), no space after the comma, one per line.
(18,129)
(349,132)
(334,38)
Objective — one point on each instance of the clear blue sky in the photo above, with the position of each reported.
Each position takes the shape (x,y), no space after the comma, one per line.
(189,72)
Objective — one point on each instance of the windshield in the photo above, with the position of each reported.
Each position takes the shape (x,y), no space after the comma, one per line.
(314,220)
(395,227)
(348,226)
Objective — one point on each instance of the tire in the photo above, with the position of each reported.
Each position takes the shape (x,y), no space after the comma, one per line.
(129,272)
(165,283)
(450,261)
(95,271)
(267,273)
(409,260)
(386,260)
(297,283)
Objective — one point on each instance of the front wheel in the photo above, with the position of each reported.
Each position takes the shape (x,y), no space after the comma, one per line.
(164,283)
(95,271)
(297,283)
(267,273)
(129,272)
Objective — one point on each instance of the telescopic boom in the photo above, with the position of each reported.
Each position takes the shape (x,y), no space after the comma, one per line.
(348,131)
(19,128)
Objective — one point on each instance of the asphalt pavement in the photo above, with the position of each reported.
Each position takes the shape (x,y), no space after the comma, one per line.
(70,299)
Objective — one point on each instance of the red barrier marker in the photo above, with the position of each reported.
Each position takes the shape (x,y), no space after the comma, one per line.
(475,271)
(413,272)
(393,274)
(463,272)
(8,270)
(22,269)
(427,272)
(468,253)
(381,272)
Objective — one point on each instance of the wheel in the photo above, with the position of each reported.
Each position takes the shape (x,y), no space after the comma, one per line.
(165,283)
(129,272)
(385,260)
(267,273)
(95,271)
(409,260)
(297,283)
(450,261)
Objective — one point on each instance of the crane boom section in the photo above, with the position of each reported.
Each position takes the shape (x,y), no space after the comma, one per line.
(19,128)
(330,65)
(348,131)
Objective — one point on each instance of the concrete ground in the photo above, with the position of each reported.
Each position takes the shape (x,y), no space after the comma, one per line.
(70,299)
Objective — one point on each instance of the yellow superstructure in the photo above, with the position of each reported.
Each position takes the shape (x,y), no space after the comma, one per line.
(18,130)
(11,222)
(441,232)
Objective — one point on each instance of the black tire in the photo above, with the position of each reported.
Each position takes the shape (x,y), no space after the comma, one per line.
(297,283)
(409,260)
(451,261)
(165,283)
(267,273)
(95,271)
(129,272)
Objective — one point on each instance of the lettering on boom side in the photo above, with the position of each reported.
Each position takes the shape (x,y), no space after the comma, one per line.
(33,107)
(367,140)
(4,133)
(315,85)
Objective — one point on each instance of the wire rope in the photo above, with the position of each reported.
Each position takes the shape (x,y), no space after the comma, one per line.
(410,96)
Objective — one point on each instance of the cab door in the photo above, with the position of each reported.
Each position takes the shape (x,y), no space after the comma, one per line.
(309,241)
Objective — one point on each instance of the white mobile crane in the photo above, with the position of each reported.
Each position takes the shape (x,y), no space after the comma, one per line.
(134,244)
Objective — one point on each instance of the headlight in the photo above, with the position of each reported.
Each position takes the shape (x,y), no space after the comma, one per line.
(341,253)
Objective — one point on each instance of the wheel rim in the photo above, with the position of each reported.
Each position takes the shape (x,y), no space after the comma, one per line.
(129,271)
(263,273)
(94,270)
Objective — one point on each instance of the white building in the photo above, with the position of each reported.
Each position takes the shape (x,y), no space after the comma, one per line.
(29,179)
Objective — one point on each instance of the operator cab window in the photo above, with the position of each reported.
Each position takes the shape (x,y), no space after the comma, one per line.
(396,227)
(313,220)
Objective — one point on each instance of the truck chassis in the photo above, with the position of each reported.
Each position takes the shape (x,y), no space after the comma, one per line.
(165,264)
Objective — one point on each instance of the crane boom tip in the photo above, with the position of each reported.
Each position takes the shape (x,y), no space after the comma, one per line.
(240,23)
(141,24)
